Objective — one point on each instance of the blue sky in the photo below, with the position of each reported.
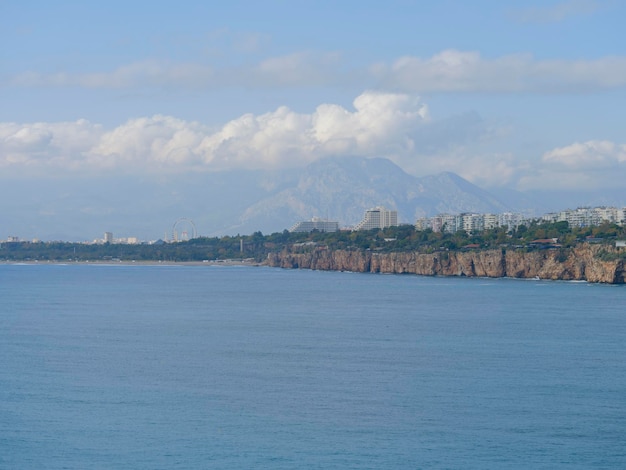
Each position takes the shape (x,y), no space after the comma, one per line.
(525,95)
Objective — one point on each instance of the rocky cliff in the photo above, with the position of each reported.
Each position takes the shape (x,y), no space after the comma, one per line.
(593,263)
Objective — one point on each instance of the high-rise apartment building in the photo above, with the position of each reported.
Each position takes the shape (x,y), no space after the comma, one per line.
(318,224)
(378,217)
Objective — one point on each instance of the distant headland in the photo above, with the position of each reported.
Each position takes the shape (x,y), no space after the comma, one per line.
(539,250)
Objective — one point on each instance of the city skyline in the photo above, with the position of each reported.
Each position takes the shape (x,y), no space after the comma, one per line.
(379,217)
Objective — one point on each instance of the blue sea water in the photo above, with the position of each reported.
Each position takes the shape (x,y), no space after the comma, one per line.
(159,367)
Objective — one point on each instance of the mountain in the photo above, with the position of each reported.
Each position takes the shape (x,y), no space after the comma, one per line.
(230,202)
(343,188)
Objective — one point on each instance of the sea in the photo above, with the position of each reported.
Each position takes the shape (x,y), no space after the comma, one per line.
(240,367)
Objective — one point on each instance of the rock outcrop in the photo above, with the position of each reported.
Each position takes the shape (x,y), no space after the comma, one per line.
(585,262)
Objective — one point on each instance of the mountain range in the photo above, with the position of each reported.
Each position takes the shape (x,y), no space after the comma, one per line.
(342,189)
(246,201)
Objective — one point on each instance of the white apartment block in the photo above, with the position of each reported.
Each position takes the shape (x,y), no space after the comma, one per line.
(587,216)
(378,217)
(470,222)
(451,223)
(511,220)
(473,222)
(315,224)
(490,221)
(448,223)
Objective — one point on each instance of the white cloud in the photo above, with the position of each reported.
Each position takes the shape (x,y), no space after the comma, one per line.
(381,124)
(591,164)
(391,125)
(41,145)
(448,71)
(28,138)
(298,69)
(587,156)
(152,143)
(462,71)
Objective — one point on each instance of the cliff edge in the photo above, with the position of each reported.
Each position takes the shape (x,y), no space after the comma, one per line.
(585,262)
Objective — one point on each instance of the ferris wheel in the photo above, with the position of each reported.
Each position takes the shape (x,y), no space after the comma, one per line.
(183,229)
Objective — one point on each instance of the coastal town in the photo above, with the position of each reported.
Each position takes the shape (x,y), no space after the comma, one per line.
(381,218)
(584,244)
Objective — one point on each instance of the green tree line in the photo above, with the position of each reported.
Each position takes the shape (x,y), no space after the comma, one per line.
(392,239)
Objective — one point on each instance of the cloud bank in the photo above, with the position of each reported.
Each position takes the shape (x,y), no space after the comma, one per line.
(462,71)
(392,125)
(381,124)
(295,69)
(582,165)
(450,70)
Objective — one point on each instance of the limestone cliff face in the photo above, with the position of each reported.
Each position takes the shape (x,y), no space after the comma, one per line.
(584,262)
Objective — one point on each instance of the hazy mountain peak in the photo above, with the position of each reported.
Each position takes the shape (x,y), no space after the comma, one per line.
(339,188)
(343,188)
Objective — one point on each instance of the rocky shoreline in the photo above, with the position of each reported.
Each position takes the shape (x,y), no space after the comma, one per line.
(585,262)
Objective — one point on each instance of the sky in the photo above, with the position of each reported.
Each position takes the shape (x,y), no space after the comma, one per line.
(525,95)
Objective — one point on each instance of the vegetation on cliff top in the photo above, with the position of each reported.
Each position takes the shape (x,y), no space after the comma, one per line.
(402,238)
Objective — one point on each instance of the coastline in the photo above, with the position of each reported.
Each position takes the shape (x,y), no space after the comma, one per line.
(585,262)
(229,262)
(582,263)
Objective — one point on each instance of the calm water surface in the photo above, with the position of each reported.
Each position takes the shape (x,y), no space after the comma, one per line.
(232,367)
